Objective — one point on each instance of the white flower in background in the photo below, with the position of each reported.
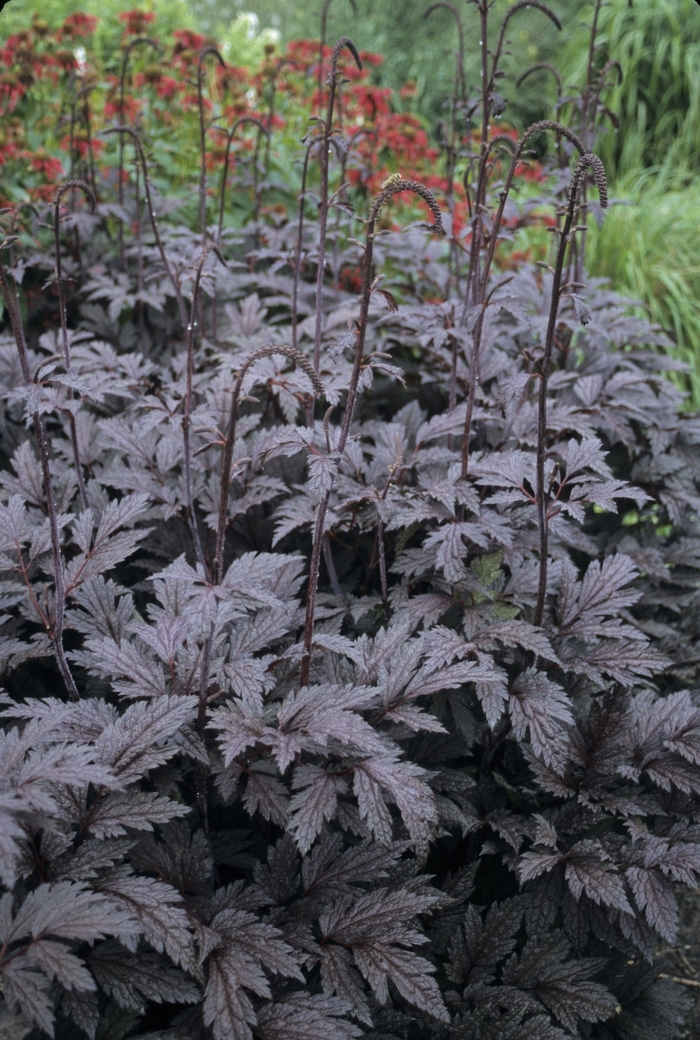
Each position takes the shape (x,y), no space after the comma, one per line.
(81,58)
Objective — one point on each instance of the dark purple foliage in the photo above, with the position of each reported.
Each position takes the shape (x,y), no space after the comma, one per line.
(311,770)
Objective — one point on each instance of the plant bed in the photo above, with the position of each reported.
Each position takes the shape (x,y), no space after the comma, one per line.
(350,572)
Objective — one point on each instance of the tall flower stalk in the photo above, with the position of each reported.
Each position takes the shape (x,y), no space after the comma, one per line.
(222,198)
(218,563)
(460,89)
(344,41)
(224,173)
(480,288)
(566,234)
(152,217)
(457,104)
(87,191)
(54,625)
(367,290)
(299,241)
(491,104)
(322,44)
(203,55)
(137,42)
(187,401)
(278,66)
(84,96)
(187,328)
(590,106)
(225,481)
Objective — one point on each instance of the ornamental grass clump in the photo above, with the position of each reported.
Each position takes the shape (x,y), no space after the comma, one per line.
(349,609)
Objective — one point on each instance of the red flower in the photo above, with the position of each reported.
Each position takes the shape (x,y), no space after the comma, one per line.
(152,75)
(49,165)
(238,106)
(78,24)
(373,101)
(349,70)
(11,89)
(436,183)
(192,101)
(306,53)
(132,107)
(534,172)
(43,193)
(66,59)
(167,87)
(136,22)
(82,144)
(215,157)
(230,77)
(8,150)
(512,261)
(460,216)
(15,46)
(530,171)
(350,279)
(371,59)
(303,49)
(187,41)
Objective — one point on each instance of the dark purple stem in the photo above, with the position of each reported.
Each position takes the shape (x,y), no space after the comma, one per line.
(187,402)
(152,217)
(480,289)
(344,41)
(588,161)
(360,334)
(225,482)
(203,55)
(122,84)
(224,175)
(55,627)
(300,238)
(90,196)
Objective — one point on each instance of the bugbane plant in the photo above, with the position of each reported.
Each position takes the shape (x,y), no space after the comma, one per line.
(353,692)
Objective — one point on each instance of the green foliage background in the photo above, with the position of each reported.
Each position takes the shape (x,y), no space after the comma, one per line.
(649,247)
(657,43)
(414,48)
(17,14)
